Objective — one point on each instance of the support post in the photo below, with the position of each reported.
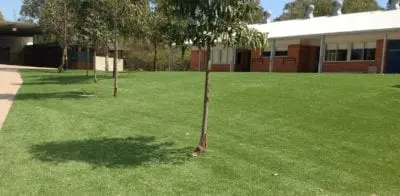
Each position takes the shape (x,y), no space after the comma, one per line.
(384,52)
(233,59)
(199,66)
(321,54)
(272,57)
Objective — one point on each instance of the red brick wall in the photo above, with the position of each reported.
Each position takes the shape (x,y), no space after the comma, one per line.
(357,66)
(81,65)
(220,67)
(194,63)
(281,64)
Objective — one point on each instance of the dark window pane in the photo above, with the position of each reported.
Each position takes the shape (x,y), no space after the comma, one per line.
(277,53)
(369,54)
(341,55)
(281,53)
(330,55)
(357,54)
(266,54)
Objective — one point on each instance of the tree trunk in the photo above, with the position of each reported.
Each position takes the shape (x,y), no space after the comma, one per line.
(169,58)
(201,148)
(64,57)
(94,64)
(115,71)
(155,58)
(87,60)
(64,60)
(199,67)
(115,66)
(106,54)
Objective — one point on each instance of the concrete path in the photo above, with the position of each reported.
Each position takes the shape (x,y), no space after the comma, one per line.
(10,82)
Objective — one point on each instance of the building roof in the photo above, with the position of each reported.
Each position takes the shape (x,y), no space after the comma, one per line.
(19,29)
(356,22)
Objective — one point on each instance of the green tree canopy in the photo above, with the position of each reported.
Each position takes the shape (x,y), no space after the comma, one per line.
(1,17)
(296,9)
(31,9)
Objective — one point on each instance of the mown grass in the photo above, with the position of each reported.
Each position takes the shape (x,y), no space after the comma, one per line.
(269,134)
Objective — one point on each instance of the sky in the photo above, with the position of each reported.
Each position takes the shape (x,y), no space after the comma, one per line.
(10,8)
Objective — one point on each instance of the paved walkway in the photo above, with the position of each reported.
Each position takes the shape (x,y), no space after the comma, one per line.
(10,82)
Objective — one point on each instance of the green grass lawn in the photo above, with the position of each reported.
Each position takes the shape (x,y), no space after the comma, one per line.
(321,134)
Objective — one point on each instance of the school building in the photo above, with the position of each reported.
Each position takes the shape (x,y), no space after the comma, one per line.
(366,42)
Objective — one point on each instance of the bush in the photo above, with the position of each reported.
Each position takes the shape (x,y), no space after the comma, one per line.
(140,56)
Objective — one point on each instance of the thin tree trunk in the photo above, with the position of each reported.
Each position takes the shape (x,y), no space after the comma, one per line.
(94,64)
(155,58)
(115,71)
(65,45)
(87,60)
(199,67)
(64,59)
(106,54)
(201,148)
(169,58)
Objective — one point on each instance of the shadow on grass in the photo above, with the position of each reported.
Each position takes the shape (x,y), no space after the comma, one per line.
(43,96)
(112,152)
(66,79)
(396,86)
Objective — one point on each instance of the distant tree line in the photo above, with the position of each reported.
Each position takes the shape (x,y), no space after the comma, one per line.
(296,9)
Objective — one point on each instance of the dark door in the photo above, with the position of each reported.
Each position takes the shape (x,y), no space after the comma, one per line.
(393,57)
(243,60)
(316,63)
(4,55)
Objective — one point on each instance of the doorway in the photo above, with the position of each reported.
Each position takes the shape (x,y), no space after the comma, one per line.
(243,60)
(4,55)
(393,57)
(316,63)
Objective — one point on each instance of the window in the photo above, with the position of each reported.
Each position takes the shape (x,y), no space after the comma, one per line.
(280,51)
(216,56)
(363,51)
(221,56)
(369,54)
(336,52)
(224,56)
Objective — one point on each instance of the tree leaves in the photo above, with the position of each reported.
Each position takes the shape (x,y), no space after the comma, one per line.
(296,9)
(1,17)
(219,22)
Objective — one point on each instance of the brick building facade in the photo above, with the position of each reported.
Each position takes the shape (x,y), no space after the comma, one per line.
(321,44)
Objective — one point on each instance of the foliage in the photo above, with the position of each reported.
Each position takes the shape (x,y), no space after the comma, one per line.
(32,9)
(1,17)
(52,19)
(92,17)
(217,21)
(139,55)
(296,9)
(258,15)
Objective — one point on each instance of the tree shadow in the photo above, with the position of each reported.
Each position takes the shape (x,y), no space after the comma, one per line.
(112,152)
(63,80)
(66,79)
(42,96)
(396,86)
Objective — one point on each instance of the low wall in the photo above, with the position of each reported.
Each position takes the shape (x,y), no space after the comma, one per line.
(101,64)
